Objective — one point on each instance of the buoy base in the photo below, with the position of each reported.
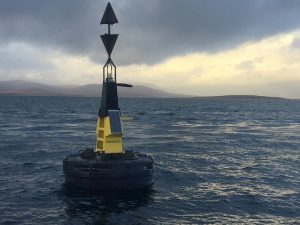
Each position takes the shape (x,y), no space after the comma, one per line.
(129,170)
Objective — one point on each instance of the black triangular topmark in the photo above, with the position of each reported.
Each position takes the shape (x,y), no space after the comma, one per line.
(109,41)
(109,16)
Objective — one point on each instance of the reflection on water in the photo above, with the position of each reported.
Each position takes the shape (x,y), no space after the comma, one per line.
(216,161)
(92,207)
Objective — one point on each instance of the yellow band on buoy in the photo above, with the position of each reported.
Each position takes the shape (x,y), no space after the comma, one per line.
(107,141)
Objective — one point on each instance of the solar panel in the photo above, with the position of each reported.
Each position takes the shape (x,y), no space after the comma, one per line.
(115,121)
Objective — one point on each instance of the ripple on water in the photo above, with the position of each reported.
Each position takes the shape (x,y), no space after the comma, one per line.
(218,162)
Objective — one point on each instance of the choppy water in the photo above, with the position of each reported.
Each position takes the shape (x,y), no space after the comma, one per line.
(217,161)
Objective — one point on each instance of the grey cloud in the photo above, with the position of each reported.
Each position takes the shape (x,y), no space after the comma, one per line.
(150,31)
(296,42)
(18,58)
(247,65)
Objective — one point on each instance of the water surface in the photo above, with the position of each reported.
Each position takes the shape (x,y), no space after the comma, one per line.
(216,161)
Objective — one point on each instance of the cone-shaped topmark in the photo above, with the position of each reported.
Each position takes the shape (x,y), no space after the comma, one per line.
(109,16)
(109,41)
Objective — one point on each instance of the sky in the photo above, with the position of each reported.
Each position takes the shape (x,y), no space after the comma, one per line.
(194,47)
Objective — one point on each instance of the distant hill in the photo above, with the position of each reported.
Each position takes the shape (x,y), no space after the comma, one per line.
(21,87)
(27,88)
(245,97)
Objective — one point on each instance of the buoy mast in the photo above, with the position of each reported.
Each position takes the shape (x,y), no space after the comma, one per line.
(109,126)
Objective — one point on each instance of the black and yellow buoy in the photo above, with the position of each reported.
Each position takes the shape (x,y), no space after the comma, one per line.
(108,166)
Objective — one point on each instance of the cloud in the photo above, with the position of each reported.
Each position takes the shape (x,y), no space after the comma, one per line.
(296,42)
(23,61)
(150,31)
(275,69)
(19,56)
(247,65)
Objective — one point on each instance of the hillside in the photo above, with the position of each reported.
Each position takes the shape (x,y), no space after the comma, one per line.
(241,97)
(27,88)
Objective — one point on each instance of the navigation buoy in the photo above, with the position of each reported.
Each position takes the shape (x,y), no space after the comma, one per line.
(109,166)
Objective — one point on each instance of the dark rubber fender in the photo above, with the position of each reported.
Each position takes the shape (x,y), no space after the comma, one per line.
(110,172)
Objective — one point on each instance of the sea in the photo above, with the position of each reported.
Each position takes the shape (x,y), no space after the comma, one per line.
(217,161)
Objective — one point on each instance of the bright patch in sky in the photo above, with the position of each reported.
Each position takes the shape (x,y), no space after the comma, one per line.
(267,67)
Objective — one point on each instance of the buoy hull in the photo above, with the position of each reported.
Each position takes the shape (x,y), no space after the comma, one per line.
(109,173)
